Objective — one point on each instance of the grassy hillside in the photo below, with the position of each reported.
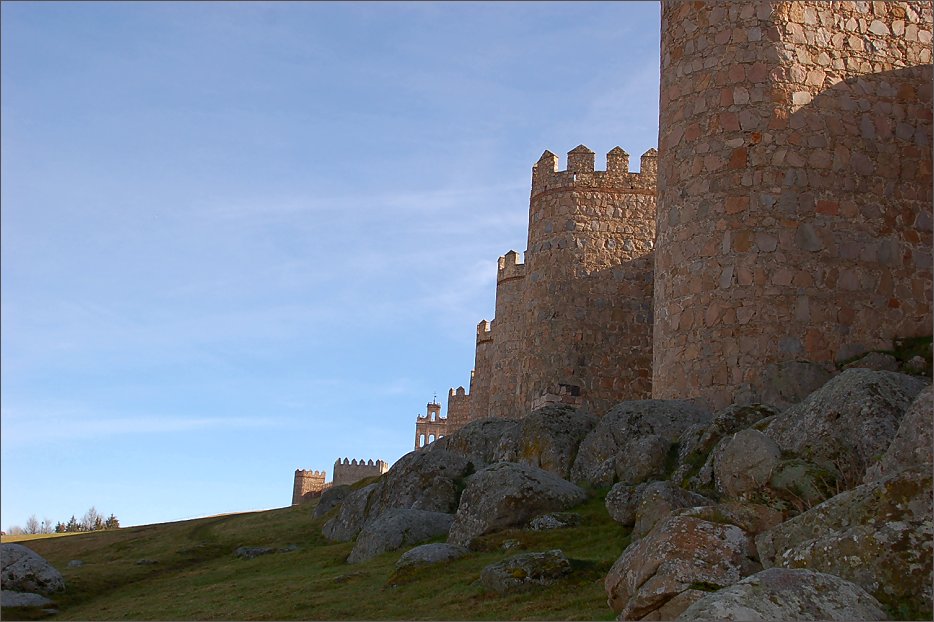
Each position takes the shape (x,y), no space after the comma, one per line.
(196,575)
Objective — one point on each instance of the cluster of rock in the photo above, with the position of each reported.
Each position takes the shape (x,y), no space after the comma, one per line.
(27,579)
(820,510)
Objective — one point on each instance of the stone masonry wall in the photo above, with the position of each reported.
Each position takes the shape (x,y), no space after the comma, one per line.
(458,409)
(307,485)
(794,207)
(508,328)
(482,373)
(350,471)
(587,329)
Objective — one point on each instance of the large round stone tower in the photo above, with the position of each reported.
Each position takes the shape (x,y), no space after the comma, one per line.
(794,205)
(588,282)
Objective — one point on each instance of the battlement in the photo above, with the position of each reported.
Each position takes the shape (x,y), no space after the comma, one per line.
(350,471)
(459,392)
(484,332)
(308,473)
(509,267)
(581,173)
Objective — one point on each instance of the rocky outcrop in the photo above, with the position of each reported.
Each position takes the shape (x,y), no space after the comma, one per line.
(782,594)
(482,442)
(421,480)
(27,600)
(849,422)
(549,438)
(509,495)
(351,517)
(671,566)
(554,520)
(428,554)
(525,571)
(913,445)
(753,518)
(647,460)
(604,448)
(24,570)
(330,499)
(622,502)
(397,528)
(878,536)
(746,463)
(658,501)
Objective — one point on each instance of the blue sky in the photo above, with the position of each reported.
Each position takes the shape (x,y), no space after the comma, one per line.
(239,239)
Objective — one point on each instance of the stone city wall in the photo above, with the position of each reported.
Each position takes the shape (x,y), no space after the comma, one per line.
(794,207)
(350,471)
(307,485)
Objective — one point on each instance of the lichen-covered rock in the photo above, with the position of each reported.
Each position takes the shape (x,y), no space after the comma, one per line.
(554,520)
(878,535)
(788,382)
(603,448)
(803,484)
(428,554)
(913,444)
(525,571)
(351,516)
(849,422)
(753,518)
(250,552)
(549,438)
(396,528)
(680,554)
(330,499)
(24,570)
(509,495)
(647,459)
(878,361)
(746,463)
(697,441)
(26,600)
(658,501)
(622,502)
(783,594)
(421,480)
(483,442)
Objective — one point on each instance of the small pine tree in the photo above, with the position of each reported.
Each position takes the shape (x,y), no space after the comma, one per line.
(112,522)
(72,525)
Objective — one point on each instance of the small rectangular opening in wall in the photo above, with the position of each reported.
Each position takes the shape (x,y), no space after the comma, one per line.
(569,389)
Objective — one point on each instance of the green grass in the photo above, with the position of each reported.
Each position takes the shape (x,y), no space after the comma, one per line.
(197,577)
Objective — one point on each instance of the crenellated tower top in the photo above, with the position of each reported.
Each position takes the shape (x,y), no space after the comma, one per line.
(580,171)
(509,267)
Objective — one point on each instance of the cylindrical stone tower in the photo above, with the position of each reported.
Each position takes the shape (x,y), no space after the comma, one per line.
(482,371)
(508,325)
(588,281)
(794,206)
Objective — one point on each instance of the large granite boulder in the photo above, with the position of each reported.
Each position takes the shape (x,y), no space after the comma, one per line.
(746,463)
(604,448)
(549,438)
(913,445)
(525,571)
(482,442)
(650,463)
(697,441)
(783,594)
(396,528)
(658,501)
(352,515)
(622,502)
(788,382)
(429,554)
(878,535)
(753,518)
(507,494)
(330,499)
(24,570)
(422,480)
(660,575)
(849,422)
(27,600)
